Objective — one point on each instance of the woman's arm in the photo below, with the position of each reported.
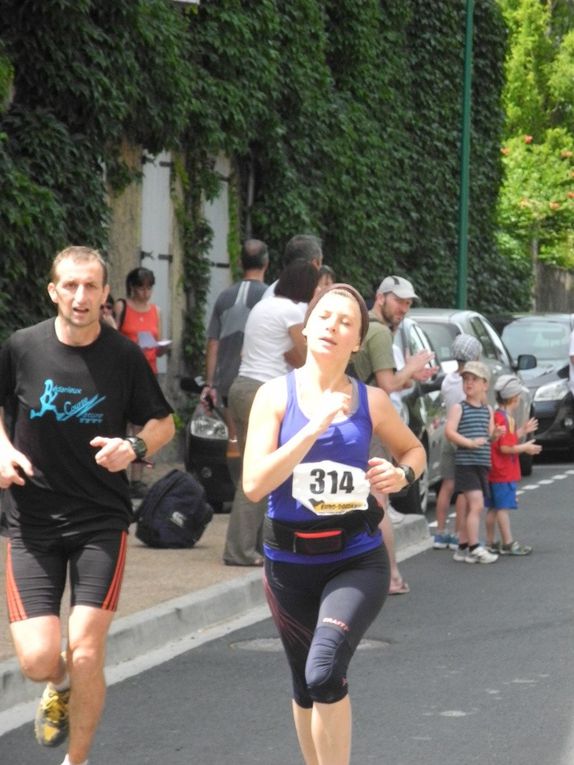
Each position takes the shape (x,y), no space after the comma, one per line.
(265,465)
(404,446)
(296,355)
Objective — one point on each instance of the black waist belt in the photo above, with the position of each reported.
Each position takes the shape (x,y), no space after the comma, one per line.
(324,535)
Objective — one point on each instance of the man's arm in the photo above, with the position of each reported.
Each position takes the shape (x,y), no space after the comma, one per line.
(12,462)
(115,454)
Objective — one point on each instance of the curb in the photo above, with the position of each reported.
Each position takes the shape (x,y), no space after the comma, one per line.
(137,634)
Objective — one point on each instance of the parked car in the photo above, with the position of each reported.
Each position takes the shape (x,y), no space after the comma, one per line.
(547,336)
(423,410)
(442,325)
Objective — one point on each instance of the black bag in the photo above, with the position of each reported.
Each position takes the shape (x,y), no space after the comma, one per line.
(174,512)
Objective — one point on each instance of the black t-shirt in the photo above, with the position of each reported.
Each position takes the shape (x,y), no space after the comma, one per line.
(57,398)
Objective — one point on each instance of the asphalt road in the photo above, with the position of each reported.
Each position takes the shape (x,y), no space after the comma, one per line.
(474,665)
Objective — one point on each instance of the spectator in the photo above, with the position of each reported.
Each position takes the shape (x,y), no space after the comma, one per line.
(273,345)
(375,364)
(464,348)
(226,327)
(505,470)
(470,426)
(305,247)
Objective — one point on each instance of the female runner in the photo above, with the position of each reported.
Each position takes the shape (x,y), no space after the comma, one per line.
(326,568)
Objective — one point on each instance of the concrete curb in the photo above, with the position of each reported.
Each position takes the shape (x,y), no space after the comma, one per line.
(139,633)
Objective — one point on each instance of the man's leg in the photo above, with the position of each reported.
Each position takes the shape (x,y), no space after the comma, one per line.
(243,540)
(38,644)
(87,633)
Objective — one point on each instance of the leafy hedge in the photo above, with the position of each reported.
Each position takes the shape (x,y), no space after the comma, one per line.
(343,116)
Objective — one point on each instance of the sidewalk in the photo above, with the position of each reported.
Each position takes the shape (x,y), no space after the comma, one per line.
(169,594)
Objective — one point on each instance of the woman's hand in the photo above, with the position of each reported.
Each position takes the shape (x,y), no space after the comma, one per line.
(384,477)
(332,403)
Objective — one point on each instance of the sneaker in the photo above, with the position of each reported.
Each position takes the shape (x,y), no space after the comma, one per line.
(515,548)
(494,548)
(51,723)
(441,541)
(453,542)
(460,555)
(480,555)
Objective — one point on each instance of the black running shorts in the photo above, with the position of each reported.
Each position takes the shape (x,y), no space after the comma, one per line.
(36,573)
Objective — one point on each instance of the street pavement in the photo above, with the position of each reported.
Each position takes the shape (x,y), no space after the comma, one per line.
(172,594)
(474,665)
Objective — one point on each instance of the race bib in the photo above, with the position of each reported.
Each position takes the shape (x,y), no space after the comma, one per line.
(330,488)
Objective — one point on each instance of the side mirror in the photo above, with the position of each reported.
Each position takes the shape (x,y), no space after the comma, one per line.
(526,361)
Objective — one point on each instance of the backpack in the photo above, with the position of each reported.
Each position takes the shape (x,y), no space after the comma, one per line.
(174,512)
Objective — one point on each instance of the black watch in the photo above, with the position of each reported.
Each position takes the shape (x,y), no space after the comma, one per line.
(409,474)
(138,445)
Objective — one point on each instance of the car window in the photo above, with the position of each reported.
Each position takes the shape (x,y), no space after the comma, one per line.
(501,350)
(480,331)
(441,337)
(547,340)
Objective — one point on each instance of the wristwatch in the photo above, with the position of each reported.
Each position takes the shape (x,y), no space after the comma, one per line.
(138,445)
(410,477)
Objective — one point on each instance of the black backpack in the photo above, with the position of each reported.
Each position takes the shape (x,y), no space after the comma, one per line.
(174,512)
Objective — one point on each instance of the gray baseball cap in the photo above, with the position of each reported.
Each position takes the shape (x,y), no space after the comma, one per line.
(508,386)
(399,286)
(466,348)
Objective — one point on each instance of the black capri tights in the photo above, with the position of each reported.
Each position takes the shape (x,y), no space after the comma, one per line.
(322,612)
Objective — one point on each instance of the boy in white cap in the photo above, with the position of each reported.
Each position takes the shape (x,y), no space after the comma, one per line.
(470,426)
(505,471)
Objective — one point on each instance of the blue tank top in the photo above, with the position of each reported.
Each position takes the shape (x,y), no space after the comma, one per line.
(345,442)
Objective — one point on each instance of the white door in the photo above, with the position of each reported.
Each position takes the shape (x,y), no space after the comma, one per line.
(217,215)
(156,235)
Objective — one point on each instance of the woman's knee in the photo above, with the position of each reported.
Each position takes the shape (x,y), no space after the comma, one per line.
(327,664)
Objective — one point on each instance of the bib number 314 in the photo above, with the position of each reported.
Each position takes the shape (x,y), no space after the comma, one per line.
(330,488)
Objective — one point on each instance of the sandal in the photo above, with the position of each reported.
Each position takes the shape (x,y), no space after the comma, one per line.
(399,587)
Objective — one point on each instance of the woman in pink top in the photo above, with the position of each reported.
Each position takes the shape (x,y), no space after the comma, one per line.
(137,318)
(140,321)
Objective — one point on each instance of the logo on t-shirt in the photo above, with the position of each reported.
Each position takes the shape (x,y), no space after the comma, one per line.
(79,407)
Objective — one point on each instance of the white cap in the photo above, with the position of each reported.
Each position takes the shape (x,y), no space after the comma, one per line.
(400,287)
(508,386)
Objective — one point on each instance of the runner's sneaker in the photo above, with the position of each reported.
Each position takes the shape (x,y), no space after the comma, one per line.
(515,548)
(441,541)
(51,723)
(453,542)
(480,555)
(460,555)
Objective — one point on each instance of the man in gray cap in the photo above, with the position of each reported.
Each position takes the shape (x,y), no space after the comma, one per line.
(375,364)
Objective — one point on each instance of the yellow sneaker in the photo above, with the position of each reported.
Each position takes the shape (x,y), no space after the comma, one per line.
(51,723)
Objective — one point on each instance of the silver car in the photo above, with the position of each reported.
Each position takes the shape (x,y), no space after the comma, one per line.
(442,325)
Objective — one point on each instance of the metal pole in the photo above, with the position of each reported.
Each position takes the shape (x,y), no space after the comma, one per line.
(462,262)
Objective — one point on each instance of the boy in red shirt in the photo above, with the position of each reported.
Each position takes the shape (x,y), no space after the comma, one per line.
(505,470)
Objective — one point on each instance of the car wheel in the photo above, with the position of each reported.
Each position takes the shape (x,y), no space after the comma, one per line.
(526,461)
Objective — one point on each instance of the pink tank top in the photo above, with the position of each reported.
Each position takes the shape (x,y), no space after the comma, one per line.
(142,321)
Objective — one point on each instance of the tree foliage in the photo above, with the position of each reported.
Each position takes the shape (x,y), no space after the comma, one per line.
(536,207)
(342,118)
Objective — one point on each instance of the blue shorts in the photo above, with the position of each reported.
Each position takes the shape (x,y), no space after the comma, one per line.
(503,496)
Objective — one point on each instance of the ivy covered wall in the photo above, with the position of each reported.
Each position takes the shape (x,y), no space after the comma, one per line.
(342,116)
